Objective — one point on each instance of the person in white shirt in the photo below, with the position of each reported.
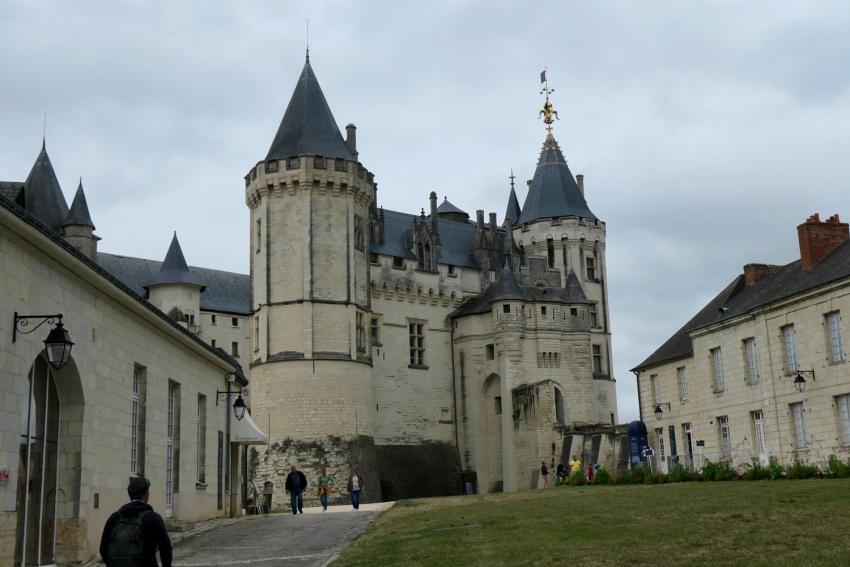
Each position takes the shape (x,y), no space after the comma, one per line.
(355,485)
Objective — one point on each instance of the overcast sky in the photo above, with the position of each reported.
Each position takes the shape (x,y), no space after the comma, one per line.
(706,130)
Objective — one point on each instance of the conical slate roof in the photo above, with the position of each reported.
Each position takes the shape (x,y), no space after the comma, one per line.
(79,213)
(308,126)
(447,207)
(42,194)
(513,211)
(575,292)
(506,286)
(553,191)
(174,269)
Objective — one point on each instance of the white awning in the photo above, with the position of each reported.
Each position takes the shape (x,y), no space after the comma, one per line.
(245,432)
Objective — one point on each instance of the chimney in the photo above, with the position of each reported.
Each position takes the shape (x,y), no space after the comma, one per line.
(755,272)
(351,138)
(493,229)
(434,228)
(580,182)
(479,218)
(818,238)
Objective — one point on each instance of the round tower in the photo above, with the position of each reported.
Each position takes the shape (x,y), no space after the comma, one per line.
(311,366)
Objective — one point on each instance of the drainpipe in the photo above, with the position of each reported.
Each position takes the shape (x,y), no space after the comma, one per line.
(637,382)
(456,404)
(228,378)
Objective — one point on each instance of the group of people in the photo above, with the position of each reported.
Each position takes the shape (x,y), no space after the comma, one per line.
(134,533)
(296,484)
(560,472)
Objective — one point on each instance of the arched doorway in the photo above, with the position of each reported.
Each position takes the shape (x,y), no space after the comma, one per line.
(48,491)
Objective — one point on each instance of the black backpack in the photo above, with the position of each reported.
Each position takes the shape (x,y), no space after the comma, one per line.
(126,542)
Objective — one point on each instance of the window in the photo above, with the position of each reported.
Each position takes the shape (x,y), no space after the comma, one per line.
(416,331)
(659,435)
(682,376)
(597,359)
(836,337)
(498,400)
(292,163)
(339,164)
(843,403)
(271,166)
(256,333)
(137,423)
(751,362)
(374,331)
(590,268)
(361,333)
(594,317)
(373,258)
(550,252)
(543,310)
(719,381)
(789,339)
(319,162)
(654,388)
(451,270)
(725,436)
(559,407)
(213,320)
(758,429)
(506,308)
(398,262)
(234,349)
(234,321)
(573,312)
(202,439)
(359,235)
(799,418)
(172,447)
(259,237)
(490,352)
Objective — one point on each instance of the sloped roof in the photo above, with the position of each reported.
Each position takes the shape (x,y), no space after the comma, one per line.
(737,299)
(226,292)
(554,191)
(174,269)
(308,126)
(11,189)
(43,196)
(446,207)
(513,211)
(79,213)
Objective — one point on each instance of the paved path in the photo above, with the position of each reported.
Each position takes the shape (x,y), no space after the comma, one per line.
(310,539)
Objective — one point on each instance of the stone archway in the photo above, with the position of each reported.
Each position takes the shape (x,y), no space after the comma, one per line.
(491,433)
(48,495)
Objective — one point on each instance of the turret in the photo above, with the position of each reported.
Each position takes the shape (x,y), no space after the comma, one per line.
(42,194)
(78,226)
(176,290)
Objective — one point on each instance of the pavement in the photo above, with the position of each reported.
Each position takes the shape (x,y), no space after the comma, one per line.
(314,538)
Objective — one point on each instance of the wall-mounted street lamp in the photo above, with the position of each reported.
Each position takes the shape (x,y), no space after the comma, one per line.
(800,380)
(238,404)
(239,407)
(658,413)
(58,342)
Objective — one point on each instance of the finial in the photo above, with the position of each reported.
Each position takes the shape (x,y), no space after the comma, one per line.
(308,40)
(44,132)
(81,182)
(512,177)
(548,111)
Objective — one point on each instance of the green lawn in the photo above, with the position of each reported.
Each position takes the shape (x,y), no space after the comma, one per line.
(804,522)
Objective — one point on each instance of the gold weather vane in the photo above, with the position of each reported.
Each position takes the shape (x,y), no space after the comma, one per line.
(548,112)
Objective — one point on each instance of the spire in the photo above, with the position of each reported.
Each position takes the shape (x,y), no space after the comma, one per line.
(174,269)
(513,211)
(506,286)
(308,126)
(43,195)
(79,213)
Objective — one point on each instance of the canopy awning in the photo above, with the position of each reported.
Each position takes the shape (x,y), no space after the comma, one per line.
(245,432)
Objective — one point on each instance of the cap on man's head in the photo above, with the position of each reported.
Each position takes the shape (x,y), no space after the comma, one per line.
(137,487)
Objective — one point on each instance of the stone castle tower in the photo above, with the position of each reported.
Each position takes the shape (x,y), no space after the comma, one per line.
(311,377)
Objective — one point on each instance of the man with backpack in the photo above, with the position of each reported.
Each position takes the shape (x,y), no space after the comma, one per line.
(132,535)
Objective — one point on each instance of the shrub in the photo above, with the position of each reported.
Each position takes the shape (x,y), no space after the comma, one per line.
(678,473)
(656,478)
(640,473)
(602,476)
(757,472)
(777,471)
(577,478)
(624,477)
(838,468)
(720,470)
(801,469)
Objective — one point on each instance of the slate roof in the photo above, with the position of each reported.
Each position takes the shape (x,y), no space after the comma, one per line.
(446,207)
(79,213)
(457,239)
(308,126)
(513,211)
(506,287)
(11,190)
(174,269)
(42,195)
(738,299)
(554,191)
(226,292)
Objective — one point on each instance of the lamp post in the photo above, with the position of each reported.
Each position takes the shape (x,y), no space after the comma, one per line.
(239,407)
(800,380)
(658,412)
(58,342)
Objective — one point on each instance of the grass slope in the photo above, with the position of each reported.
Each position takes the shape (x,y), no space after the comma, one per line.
(717,523)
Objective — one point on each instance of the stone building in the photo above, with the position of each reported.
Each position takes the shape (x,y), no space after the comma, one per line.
(421,348)
(138,396)
(761,371)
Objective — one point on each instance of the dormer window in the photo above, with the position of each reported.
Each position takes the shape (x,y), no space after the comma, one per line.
(339,164)
(271,166)
(319,162)
(398,262)
(292,163)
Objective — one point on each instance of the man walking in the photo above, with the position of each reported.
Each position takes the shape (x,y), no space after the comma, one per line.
(132,535)
(296,484)
(355,485)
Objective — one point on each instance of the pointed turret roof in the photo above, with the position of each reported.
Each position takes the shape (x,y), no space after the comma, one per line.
(554,191)
(79,213)
(174,269)
(43,195)
(308,126)
(506,286)
(513,211)
(448,211)
(575,292)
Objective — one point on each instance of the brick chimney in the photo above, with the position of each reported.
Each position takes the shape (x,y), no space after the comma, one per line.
(755,272)
(818,238)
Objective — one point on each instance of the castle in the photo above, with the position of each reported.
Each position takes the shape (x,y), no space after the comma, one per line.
(432,351)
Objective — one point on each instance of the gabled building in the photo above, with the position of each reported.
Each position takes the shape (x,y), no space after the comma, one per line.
(760,371)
